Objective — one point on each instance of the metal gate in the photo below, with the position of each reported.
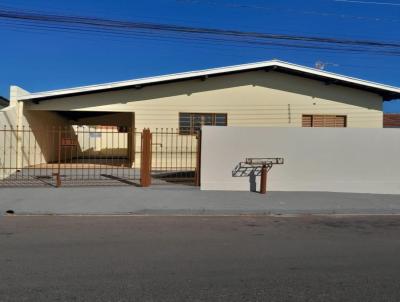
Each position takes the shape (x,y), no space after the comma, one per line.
(175,157)
(96,155)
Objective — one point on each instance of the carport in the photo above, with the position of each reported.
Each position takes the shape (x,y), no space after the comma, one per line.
(95,148)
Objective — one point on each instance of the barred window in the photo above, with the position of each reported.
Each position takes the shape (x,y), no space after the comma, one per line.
(191,123)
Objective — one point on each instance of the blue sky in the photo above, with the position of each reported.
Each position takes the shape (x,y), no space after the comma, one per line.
(38,60)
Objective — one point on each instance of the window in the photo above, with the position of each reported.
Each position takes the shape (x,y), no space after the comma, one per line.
(190,123)
(331,121)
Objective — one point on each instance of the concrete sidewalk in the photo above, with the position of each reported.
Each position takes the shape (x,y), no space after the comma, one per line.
(176,200)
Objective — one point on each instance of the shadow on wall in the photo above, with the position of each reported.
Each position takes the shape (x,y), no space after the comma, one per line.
(8,117)
(273,80)
(58,126)
(47,135)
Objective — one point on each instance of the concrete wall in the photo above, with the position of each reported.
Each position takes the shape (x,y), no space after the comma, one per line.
(8,118)
(316,159)
(9,146)
(252,99)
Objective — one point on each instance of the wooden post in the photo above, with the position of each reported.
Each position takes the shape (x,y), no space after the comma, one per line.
(263,181)
(58,179)
(145,165)
(198,161)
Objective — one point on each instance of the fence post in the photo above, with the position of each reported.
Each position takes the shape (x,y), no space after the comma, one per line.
(58,174)
(263,181)
(145,165)
(198,161)
(131,146)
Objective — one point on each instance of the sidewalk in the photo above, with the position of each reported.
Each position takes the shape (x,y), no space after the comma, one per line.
(182,200)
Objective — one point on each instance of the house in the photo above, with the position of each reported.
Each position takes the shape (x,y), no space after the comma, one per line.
(391,120)
(3,102)
(96,124)
(270,94)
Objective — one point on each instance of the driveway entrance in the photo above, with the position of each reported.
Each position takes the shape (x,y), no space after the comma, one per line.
(96,155)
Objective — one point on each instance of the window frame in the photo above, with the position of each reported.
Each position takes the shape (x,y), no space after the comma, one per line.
(321,114)
(191,130)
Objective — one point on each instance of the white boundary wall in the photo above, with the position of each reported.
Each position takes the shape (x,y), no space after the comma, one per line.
(316,159)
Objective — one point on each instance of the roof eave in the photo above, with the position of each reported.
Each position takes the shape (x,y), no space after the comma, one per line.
(388,93)
(384,93)
(141,85)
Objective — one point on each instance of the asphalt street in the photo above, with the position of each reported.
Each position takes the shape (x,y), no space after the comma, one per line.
(247,258)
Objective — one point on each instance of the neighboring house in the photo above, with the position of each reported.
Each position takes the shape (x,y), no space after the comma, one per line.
(3,102)
(391,120)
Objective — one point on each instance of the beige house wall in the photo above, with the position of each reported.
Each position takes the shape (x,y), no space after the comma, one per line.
(258,98)
(108,143)
(8,117)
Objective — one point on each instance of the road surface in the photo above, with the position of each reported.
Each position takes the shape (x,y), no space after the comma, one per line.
(142,258)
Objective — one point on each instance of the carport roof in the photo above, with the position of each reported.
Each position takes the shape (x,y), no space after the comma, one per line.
(387,92)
